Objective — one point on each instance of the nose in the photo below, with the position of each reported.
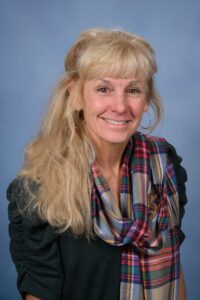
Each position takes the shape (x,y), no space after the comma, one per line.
(119,104)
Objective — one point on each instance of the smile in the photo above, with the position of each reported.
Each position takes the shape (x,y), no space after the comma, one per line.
(114,122)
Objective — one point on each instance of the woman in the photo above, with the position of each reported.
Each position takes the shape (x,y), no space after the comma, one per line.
(95,213)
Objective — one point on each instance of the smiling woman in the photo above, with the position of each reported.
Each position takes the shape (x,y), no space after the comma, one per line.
(113,109)
(95,212)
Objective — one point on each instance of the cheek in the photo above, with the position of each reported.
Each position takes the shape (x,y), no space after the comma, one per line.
(96,106)
(139,108)
(91,109)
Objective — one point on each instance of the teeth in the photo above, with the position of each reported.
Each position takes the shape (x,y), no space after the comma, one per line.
(115,122)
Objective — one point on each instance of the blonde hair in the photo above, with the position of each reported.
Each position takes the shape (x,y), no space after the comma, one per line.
(60,158)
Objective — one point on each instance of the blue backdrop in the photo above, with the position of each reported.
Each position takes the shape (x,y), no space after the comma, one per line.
(35,36)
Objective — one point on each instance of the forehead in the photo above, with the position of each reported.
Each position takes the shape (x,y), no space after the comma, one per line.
(117,81)
(132,80)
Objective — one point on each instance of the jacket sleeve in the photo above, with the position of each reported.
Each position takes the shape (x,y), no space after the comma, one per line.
(181,177)
(34,249)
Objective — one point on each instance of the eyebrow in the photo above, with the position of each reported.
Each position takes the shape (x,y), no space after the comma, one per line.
(109,82)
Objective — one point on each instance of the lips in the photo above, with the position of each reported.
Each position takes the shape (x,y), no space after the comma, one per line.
(116,122)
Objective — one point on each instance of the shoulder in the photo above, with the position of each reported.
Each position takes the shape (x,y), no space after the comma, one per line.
(21,189)
(21,195)
(159,146)
(154,144)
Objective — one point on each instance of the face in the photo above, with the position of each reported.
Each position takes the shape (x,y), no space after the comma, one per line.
(113,108)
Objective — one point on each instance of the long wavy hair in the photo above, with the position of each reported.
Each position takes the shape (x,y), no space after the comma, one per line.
(60,157)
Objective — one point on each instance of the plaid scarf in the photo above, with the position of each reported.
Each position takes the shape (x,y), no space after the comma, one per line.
(146,221)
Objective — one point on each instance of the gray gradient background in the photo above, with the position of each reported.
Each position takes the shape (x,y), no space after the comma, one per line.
(35,36)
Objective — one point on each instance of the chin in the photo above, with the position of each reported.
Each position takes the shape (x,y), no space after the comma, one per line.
(116,140)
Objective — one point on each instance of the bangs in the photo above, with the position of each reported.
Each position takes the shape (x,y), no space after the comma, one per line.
(120,61)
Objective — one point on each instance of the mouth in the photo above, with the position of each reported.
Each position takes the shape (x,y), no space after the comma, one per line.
(116,122)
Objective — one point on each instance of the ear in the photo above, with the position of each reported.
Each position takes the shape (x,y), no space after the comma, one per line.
(146,106)
(70,86)
(72,90)
(78,103)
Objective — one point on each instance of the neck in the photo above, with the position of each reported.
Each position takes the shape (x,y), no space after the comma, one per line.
(108,156)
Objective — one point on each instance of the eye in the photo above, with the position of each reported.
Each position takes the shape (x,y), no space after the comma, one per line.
(104,90)
(134,91)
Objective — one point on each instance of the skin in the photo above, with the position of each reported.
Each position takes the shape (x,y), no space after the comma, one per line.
(112,110)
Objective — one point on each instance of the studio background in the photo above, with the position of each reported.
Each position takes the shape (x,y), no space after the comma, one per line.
(34,38)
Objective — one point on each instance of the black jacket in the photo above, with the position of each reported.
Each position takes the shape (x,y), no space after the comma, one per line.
(54,266)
